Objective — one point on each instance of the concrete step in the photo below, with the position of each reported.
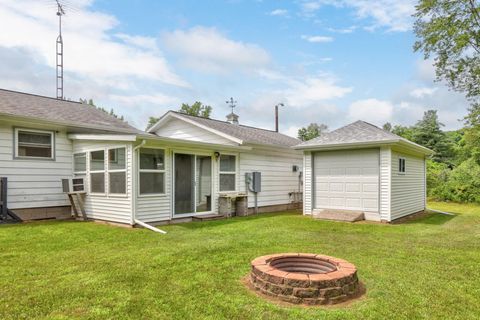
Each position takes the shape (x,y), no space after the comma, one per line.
(208,217)
(338,215)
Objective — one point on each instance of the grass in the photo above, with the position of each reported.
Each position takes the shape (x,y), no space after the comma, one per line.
(428,268)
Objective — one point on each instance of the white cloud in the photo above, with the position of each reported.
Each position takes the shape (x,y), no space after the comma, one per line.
(422,92)
(208,50)
(141,99)
(317,39)
(394,15)
(371,110)
(279,12)
(90,49)
(313,90)
(350,29)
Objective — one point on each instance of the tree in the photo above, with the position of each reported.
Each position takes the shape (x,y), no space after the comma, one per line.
(471,137)
(428,133)
(152,121)
(387,127)
(449,32)
(197,109)
(403,131)
(92,104)
(313,130)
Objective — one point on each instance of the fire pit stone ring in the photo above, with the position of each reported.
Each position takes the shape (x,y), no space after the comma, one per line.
(305,278)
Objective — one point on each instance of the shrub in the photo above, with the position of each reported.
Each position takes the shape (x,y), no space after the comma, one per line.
(461,184)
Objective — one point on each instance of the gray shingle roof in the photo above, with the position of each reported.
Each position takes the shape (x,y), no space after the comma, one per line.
(69,113)
(357,132)
(245,133)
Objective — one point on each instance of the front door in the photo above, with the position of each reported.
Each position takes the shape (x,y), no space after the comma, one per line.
(193,184)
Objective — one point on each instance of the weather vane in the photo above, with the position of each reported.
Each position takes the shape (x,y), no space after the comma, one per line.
(231,103)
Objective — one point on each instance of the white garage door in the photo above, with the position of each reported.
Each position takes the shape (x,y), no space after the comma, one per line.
(347,180)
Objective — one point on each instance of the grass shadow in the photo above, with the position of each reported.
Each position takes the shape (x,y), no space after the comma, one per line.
(232,220)
(431,218)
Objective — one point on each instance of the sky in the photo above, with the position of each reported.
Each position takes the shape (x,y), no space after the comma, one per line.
(327,61)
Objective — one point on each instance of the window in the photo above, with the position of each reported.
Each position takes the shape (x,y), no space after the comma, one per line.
(97,171)
(34,144)
(152,171)
(79,171)
(117,171)
(401,165)
(79,163)
(228,172)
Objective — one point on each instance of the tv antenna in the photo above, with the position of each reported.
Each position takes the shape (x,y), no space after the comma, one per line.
(59,57)
(232,103)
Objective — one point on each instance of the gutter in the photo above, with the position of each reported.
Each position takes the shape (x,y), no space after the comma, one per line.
(134,195)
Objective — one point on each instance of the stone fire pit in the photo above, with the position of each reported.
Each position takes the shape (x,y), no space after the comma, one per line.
(304,278)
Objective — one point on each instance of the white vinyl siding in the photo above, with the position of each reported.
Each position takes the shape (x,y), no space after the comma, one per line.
(385,183)
(108,207)
(408,188)
(179,129)
(307,183)
(278,178)
(35,183)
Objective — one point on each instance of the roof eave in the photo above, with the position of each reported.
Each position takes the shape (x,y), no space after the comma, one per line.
(70,124)
(402,142)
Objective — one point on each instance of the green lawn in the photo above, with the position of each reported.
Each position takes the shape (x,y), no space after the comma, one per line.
(429,268)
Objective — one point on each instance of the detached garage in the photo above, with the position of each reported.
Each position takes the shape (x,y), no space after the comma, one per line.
(363,169)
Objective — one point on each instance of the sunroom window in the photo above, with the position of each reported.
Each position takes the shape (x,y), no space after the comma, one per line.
(228,172)
(97,171)
(117,171)
(34,144)
(152,171)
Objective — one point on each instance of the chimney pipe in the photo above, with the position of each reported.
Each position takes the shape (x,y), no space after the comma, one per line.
(276,115)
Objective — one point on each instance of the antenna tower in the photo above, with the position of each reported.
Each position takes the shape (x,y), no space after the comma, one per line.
(59,59)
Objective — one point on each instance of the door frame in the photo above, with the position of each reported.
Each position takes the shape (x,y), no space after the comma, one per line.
(314,191)
(194,154)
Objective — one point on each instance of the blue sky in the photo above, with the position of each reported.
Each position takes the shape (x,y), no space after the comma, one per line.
(328,61)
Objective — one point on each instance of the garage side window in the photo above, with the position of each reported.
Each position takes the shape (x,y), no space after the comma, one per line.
(97,171)
(117,171)
(35,144)
(152,171)
(228,172)
(401,165)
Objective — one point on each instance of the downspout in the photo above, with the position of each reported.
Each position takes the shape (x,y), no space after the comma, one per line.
(134,195)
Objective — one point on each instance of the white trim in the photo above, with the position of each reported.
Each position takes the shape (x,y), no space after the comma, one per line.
(164,171)
(105,186)
(165,117)
(102,137)
(195,213)
(124,170)
(338,146)
(235,172)
(79,172)
(27,130)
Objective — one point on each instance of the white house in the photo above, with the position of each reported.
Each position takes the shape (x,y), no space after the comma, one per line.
(363,168)
(178,169)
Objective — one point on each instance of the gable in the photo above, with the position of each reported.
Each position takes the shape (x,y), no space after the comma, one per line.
(178,129)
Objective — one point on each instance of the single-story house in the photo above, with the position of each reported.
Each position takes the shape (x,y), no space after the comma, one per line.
(176,170)
(363,168)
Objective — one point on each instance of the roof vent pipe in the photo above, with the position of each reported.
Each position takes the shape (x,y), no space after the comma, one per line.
(276,115)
